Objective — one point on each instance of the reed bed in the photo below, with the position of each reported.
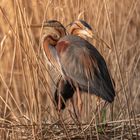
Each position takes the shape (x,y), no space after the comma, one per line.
(27,83)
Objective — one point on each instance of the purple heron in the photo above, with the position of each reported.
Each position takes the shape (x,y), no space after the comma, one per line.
(83,66)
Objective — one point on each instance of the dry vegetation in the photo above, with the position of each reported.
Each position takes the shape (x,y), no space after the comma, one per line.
(27,84)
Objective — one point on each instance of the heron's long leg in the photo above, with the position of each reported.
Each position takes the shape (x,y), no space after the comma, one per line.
(59,102)
(59,94)
(72,102)
(79,103)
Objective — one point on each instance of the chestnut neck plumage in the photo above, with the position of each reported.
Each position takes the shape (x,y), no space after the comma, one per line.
(49,42)
(50,38)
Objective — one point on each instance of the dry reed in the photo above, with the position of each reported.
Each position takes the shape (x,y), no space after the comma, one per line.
(27,84)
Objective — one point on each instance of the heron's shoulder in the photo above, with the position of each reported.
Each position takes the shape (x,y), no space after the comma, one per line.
(77,42)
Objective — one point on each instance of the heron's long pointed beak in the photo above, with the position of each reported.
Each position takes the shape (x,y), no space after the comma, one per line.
(90,34)
(95,36)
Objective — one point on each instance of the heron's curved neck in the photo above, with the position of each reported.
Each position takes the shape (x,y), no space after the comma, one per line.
(49,44)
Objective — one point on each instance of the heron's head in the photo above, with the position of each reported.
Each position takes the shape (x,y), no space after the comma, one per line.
(52,31)
(80,28)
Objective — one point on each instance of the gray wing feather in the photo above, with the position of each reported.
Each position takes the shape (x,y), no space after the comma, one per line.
(84,65)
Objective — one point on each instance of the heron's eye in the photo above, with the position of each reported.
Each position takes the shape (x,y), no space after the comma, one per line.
(56,36)
(85,28)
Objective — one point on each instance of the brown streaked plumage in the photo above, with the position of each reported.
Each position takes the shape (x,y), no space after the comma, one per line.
(80,28)
(84,30)
(53,30)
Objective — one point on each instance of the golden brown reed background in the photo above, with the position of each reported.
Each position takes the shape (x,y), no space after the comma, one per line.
(26,88)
